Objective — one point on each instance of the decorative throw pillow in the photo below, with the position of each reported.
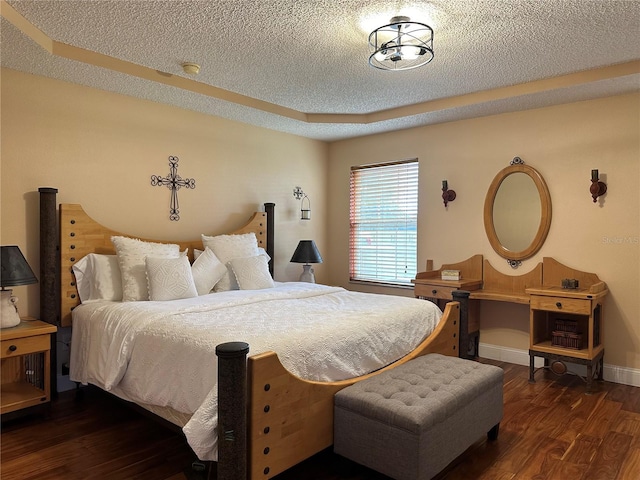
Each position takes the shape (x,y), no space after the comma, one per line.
(207,271)
(228,247)
(131,254)
(98,278)
(252,273)
(263,252)
(170,278)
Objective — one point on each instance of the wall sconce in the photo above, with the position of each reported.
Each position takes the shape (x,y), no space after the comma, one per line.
(597,187)
(447,195)
(305,213)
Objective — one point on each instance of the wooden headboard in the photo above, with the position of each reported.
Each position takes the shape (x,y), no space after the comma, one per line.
(79,235)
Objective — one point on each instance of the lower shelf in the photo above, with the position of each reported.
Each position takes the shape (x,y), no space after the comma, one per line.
(583,353)
(20,395)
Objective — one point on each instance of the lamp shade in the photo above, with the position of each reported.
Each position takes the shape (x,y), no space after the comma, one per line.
(306,252)
(14,267)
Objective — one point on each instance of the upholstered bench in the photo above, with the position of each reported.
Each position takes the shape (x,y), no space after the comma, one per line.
(412,421)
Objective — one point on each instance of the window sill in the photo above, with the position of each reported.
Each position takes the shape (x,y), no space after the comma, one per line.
(401,286)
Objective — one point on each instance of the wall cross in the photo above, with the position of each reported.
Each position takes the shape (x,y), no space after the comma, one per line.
(173,182)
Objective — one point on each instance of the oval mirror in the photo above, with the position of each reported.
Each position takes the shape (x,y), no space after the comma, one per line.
(517,212)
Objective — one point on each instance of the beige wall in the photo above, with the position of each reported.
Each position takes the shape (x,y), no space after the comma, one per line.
(563,143)
(100,149)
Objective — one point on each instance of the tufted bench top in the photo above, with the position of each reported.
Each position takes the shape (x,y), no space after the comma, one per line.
(420,393)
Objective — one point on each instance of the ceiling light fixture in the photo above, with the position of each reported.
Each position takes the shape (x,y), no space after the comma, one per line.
(401,45)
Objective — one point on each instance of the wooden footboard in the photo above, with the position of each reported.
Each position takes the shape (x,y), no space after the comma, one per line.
(291,419)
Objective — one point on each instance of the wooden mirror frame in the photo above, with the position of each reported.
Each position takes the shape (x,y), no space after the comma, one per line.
(545,211)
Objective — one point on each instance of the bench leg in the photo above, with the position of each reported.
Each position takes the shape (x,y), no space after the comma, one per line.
(493,433)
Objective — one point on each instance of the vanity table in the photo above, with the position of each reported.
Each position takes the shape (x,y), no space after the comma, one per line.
(565,324)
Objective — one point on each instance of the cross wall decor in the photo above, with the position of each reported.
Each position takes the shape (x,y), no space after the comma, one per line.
(173,182)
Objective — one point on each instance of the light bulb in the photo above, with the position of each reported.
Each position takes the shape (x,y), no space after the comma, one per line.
(409,52)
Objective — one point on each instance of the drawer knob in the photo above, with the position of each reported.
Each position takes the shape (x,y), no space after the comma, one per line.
(558,304)
(12,348)
(434,292)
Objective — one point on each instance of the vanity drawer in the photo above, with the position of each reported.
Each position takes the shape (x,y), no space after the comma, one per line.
(23,346)
(560,304)
(434,291)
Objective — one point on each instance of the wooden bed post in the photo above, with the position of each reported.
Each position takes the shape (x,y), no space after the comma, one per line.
(269,208)
(232,410)
(50,274)
(462,296)
(49,248)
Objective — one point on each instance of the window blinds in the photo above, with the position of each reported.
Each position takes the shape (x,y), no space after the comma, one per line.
(383,222)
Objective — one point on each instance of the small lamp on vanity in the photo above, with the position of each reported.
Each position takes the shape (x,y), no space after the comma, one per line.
(15,271)
(447,195)
(597,187)
(307,253)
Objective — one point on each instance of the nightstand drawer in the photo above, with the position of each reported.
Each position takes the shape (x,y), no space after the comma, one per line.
(433,291)
(559,304)
(22,346)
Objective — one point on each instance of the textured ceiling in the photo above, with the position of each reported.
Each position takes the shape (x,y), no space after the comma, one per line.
(284,64)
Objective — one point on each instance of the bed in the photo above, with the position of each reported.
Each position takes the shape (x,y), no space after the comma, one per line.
(255,411)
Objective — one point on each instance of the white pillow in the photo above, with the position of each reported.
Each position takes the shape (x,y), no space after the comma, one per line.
(107,279)
(207,271)
(261,251)
(98,278)
(82,271)
(170,278)
(252,273)
(228,247)
(131,254)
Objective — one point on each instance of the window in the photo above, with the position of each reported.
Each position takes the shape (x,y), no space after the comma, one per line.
(384,222)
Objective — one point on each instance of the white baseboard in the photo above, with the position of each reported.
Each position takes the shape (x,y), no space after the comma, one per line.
(624,375)
(509,355)
(611,373)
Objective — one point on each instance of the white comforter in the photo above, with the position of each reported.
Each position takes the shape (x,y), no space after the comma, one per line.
(163,353)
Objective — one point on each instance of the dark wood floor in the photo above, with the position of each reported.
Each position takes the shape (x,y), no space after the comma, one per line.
(551,430)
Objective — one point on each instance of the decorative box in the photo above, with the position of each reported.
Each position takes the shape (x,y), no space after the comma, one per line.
(566,339)
(563,325)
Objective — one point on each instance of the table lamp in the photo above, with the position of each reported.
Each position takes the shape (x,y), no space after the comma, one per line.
(15,271)
(307,252)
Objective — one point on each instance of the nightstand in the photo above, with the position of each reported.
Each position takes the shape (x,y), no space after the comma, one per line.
(26,360)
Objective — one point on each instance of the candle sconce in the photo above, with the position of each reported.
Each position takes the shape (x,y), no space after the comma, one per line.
(597,187)
(305,213)
(447,195)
